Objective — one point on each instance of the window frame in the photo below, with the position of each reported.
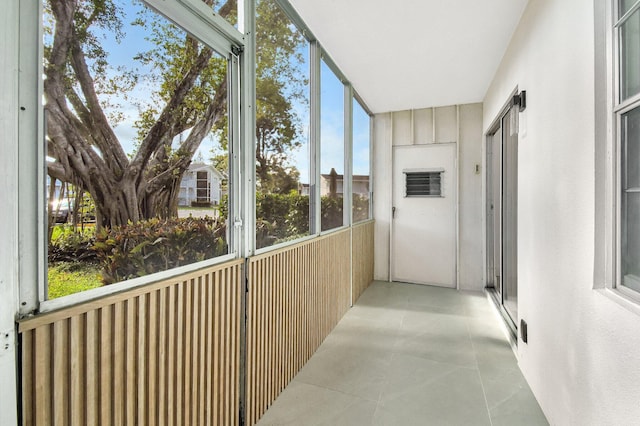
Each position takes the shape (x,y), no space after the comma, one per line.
(609,109)
(347,143)
(33,261)
(356,99)
(620,108)
(238,46)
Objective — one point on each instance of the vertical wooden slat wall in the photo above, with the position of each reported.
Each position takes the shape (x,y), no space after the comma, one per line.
(296,297)
(362,253)
(163,354)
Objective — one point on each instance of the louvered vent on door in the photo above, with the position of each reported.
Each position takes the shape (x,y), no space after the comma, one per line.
(423,183)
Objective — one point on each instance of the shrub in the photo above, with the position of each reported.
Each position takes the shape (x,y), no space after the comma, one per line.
(360,208)
(154,245)
(331,212)
(67,245)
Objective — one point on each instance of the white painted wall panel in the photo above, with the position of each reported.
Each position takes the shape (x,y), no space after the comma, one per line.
(446,124)
(393,129)
(402,134)
(382,161)
(9,108)
(423,126)
(581,360)
(471,248)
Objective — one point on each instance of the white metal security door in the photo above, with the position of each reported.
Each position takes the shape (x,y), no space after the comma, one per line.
(424,226)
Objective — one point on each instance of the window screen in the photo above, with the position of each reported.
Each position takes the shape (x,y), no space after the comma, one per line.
(423,183)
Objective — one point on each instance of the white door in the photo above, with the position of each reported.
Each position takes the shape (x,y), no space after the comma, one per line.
(424,220)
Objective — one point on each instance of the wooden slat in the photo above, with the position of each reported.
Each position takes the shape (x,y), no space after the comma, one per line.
(296,297)
(42,376)
(28,370)
(61,364)
(362,252)
(130,382)
(169,353)
(78,369)
(105,364)
(140,357)
(93,367)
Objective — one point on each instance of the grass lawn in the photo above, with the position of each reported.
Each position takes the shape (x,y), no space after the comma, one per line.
(68,278)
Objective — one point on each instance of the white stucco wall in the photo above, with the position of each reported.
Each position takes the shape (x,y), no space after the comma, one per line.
(461,124)
(471,208)
(582,357)
(382,162)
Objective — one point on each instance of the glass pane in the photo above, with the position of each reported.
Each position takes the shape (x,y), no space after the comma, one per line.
(137,145)
(510,216)
(631,143)
(630,57)
(282,127)
(361,162)
(331,148)
(631,199)
(624,6)
(631,240)
(227,9)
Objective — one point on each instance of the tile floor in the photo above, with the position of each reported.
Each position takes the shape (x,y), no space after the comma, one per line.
(411,355)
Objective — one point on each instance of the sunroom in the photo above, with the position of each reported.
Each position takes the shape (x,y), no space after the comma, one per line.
(477,162)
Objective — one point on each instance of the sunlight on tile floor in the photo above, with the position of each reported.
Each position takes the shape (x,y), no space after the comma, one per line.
(411,355)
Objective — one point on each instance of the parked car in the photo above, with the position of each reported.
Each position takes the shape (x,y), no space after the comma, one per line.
(60,210)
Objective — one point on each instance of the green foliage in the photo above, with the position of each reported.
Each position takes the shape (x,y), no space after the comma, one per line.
(68,245)
(284,217)
(66,278)
(281,97)
(155,245)
(360,208)
(281,217)
(331,212)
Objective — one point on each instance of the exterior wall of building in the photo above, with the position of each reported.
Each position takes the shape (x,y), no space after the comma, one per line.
(461,125)
(188,186)
(582,351)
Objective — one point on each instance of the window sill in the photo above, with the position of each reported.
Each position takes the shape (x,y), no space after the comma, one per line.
(621,298)
(107,290)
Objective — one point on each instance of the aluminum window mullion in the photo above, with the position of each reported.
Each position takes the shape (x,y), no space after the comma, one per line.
(31,157)
(209,32)
(247,148)
(371,157)
(347,181)
(236,185)
(210,17)
(315,224)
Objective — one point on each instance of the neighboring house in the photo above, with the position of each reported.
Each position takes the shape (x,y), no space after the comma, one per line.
(201,184)
(360,183)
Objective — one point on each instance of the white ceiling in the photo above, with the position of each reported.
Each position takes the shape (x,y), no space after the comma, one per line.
(406,54)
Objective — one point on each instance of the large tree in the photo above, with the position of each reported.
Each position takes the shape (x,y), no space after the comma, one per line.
(186,101)
(281,84)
